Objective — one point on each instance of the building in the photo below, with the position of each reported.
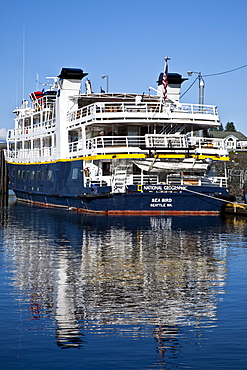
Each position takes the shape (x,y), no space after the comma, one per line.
(234,140)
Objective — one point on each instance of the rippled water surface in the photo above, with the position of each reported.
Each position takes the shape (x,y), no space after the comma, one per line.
(97,292)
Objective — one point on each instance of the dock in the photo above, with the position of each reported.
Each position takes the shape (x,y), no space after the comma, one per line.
(236,209)
(4,180)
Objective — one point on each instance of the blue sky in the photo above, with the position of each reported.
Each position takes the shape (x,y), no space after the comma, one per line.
(128,41)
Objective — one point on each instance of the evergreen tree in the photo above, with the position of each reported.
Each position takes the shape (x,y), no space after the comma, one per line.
(230,126)
(217,128)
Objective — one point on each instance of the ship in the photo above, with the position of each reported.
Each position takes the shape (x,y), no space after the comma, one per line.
(116,153)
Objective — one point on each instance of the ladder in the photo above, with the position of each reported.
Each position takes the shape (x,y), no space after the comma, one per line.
(119,179)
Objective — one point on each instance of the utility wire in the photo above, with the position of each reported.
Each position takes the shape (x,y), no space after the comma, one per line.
(189,87)
(214,74)
(221,73)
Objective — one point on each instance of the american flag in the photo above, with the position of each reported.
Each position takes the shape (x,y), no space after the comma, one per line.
(165,80)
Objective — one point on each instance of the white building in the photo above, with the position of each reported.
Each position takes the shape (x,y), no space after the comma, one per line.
(234,140)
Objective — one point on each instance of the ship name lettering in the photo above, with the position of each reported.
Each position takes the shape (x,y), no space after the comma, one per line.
(164,187)
(156,205)
(178,187)
(152,187)
(161,200)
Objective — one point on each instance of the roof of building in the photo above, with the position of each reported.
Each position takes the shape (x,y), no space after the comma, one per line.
(224,134)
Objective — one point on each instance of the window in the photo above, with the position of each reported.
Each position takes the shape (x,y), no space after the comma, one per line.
(75,173)
(230,143)
(32,175)
(106,168)
(49,175)
(37,175)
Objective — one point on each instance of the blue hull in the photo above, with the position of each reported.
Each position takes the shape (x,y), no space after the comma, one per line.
(130,203)
(60,184)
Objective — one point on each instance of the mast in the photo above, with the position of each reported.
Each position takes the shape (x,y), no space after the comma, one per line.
(23,61)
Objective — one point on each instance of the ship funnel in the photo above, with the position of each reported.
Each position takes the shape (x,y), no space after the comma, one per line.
(72,74)
(70,79)
(175,81)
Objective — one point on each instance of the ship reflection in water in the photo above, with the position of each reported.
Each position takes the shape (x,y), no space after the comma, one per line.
(116,276)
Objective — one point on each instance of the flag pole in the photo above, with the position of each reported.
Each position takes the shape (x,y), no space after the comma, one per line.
(165,79)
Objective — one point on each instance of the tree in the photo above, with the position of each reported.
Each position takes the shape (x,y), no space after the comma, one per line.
(217,128)
(230,126)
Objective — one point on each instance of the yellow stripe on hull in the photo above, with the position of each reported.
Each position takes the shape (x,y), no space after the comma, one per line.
(123,156)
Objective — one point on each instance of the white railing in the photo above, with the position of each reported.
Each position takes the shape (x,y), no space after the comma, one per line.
(130,180)
(166,141)
(148,109)
(38,127)
(177,179)
(130,144)
(109,108)
(106,143)
(194,108)
(34,155)
(205,142)
(220,181)
(96,182)
(45,102)
(145,179)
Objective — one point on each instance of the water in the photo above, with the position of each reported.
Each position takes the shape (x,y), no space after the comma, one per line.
(97,292)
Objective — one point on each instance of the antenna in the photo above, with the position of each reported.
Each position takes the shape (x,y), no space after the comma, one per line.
(37,81)
(54,85)
(16,94)
(23,61)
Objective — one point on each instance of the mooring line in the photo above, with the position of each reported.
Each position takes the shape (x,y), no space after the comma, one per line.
(222,200)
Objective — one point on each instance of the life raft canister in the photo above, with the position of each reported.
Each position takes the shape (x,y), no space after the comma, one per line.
(36,95)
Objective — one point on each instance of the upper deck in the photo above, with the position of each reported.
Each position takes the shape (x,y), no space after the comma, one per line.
(128,121)
(135,109)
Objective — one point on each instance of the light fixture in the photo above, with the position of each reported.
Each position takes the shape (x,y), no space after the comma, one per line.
(201,85)
(107,82)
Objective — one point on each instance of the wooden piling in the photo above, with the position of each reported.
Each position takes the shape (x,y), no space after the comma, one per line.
(4,180)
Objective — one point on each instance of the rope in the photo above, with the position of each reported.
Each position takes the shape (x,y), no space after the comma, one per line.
(210,196)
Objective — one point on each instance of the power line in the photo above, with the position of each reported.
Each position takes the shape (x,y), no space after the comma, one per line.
(189,87)
(221,73)
(214,74)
